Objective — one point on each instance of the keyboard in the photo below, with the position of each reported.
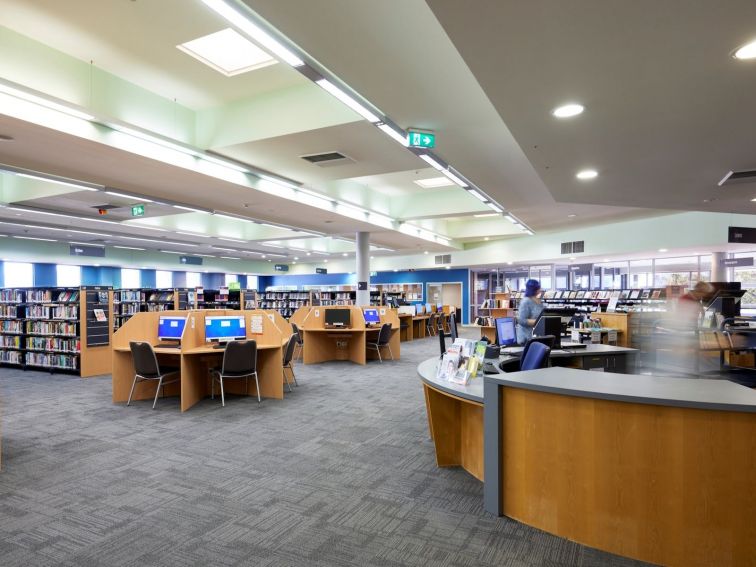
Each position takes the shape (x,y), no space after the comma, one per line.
(168,346)
(490,368)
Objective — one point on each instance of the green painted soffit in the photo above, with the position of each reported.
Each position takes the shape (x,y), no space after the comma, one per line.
(37,66)
(14,189)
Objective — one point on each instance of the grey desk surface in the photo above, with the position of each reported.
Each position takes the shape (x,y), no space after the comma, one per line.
(634,388)
(589,350)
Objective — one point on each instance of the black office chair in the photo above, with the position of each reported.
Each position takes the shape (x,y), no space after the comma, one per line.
(384,340)
(300,340)
(442,344)
(287,358)
(430,324)
(452,323)
(239,361)
(146,369)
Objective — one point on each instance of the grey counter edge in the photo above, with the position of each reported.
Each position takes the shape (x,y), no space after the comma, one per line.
(448,389)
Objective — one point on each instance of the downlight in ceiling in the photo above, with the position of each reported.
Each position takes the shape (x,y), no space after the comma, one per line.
(228,52)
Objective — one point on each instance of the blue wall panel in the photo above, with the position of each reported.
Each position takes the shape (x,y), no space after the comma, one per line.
(148,278)
(45,275)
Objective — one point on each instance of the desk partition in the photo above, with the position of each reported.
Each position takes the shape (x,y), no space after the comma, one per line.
(321,344)
(196,357)
(390,316)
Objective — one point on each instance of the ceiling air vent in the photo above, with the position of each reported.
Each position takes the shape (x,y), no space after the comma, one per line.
(576,247)
(443,259)
(328,159)
(745,176)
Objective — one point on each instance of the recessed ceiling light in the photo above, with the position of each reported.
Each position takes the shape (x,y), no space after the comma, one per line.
(486,238)
(573,258)
(572,216)
(606,259)
(325,261)
(425,252)
(228,52)
(309,253)
(344,254)
(448,267)
(509,263)
(751,200)
(748,51)
(568,110)
(434,182)
(662,250)
(587,174)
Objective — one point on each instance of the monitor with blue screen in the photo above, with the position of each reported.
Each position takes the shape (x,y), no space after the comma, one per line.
(506,331)
(428,308)
(170,328)
(224,328)
(419,309)
(371,317)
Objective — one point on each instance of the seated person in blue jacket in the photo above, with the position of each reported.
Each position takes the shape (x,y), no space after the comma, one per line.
(530,309)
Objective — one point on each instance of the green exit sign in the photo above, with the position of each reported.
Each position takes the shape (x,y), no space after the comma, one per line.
(137,211)
(418,139)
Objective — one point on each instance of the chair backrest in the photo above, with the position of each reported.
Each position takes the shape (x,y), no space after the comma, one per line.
(145,361)
(442,343)
(297,332)
(384,336)
(536,357)
(453,326)
(240,357)
(289,352)
(548,340)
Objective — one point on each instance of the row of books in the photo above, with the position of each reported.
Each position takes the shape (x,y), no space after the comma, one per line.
(606,294)
(12,327)
(11,357)
(11,296)
(67,312)
(8,311)
(51,344)
(130,295)
(160,296)
(52,296)
(273,295)
(45,360)
(290,304)
(495,304)
(157,307)
(10,341)
(50,328)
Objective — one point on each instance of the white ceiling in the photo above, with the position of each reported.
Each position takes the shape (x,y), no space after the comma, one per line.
(668,112)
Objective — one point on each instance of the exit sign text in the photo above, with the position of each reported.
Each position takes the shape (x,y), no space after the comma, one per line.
(418,139)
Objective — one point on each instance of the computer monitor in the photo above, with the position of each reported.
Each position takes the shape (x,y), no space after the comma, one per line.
(419,309)
(170,328)
(428,308)
(371,316)
(338,318)
(224,328)
(506,331)
(549,325)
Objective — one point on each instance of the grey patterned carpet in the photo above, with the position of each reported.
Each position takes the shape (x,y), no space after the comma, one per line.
(339,473)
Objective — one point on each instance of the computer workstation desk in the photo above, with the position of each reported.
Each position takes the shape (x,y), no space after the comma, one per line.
(589,357)
(655,468)
(195,357)
(322,344)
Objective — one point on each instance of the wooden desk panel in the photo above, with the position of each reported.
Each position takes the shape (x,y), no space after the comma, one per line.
(320,345)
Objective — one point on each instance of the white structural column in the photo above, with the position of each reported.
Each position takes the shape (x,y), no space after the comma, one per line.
(363,268)
(718,271)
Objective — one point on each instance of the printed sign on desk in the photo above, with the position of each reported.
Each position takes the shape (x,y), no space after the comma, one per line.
(256,324)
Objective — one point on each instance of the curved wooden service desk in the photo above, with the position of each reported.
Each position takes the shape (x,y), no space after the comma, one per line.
(321,344)
(657,469)
(195,357)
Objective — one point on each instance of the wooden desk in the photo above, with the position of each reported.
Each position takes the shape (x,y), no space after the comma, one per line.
(195,358)
(322,345)
(405,334)
(654,468)
(419,323)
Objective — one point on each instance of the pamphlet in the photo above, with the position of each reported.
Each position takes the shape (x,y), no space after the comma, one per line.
(450,365)
(99,315)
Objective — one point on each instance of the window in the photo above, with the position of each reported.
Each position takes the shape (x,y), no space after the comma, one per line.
(163,279)
(252,282)
(18,274)
(193,279)
(231,278)
(130,278)
(67,276)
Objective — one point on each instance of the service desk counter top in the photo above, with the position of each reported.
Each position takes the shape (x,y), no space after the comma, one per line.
(655,468)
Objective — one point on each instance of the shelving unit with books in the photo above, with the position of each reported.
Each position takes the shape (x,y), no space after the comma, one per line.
(56,329)
(222,298)
(249,298)
(126,303)
(286,302)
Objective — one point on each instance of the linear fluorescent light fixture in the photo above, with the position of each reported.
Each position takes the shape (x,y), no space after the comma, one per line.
(432,162)
(171,252)
(230,258)
(478,195)
(246,25)
(225,249)
(495,207)
(348,100)
(163,242)
(129,248)
(64,230)
(190,209)
(192,234)
(232,240)
(396,135)
(42,101)
(81,186)
(132,197)
(454,178)
(511,219)
(87,244)
(484,215)
(34,238)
